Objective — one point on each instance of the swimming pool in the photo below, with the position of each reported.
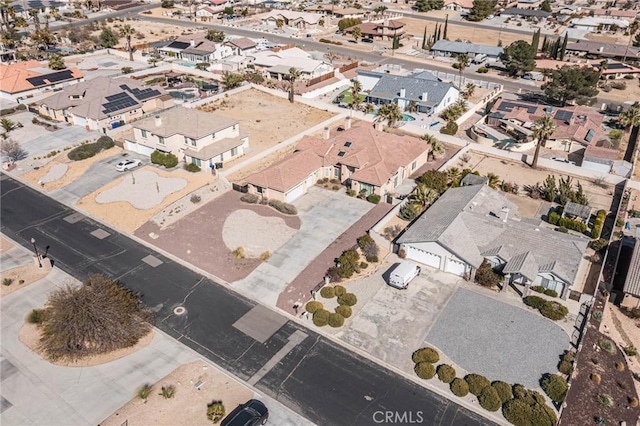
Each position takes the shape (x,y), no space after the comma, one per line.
(187,64)
(405,117)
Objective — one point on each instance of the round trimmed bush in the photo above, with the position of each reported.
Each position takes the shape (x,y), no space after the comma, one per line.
(523,394)
(565,367)
(313,306)
(339,290)
(555,386)
(327,292)
(446,373)
(348,299)
(459,387)
(489,399)
(535,301)
(336,320)
(504,390)
(344,310)
(321,317)
(476,383)
(425,355)
(517,412)
(554,311)
(425,370)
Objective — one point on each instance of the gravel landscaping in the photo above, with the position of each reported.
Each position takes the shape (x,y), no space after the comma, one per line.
(55,172)
(497,340)
(268,233)
(142,189)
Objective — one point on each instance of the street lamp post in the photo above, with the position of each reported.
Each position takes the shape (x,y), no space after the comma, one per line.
(35,248)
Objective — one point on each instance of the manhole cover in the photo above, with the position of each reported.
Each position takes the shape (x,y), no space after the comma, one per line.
(179,310)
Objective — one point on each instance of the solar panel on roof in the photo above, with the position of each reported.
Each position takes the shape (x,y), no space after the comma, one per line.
(117,97)
(145,93)
(118,102)
(563,115)
(50,78)
(590,134)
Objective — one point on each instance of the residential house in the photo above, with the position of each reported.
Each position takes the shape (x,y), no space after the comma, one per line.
(451,48)
(528,4)
(423,89)
(606,159)
(195,48)
(463,6)
(292,18)
(469,224)
(576,126)
(379,30)
(348,12)
(23,80)
(631,288)
(627,15)
(367,160)
(208,13)
(603,50)
(617,70)
(241,45)
(526,13)
(194,136)
(104,102)
(593,24)
(277,63)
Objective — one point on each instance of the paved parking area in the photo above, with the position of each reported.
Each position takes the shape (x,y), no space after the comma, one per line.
(498,340)
(58,140)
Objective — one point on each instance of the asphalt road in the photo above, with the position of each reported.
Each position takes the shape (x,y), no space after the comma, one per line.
(319,379)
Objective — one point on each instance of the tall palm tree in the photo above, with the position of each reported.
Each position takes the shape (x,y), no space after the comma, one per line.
(453,174)
(368,108)
(469,90)
(436,148)
(423,195)
(35,15)
(390,112)
(294,74)
(356,100)
(631,117)
(127,31)
(494,180)
(463,62)
(543,128)
(604,64)
(633,28)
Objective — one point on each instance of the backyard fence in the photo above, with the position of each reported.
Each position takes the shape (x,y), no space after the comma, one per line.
(321,78)
(348,67)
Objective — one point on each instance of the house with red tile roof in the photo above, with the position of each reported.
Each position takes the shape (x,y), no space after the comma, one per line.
(23,80)
(364,159)
(387,29)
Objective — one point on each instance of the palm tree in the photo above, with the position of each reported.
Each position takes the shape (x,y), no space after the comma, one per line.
(635,25)
(7,125)
(412,106)
(604,64)
(294,74)
(368,108)
(469,90)
(423,195)
(231,81)
(494,180)
(436,148)
(453,174)
(127,31)
(631,117)
(463,62)
(356,100)
(543,128)
(56,62)
(390,112)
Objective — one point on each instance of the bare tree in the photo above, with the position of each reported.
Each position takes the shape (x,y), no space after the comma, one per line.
(12,149)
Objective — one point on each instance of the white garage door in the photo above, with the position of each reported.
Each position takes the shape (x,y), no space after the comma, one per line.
(454,267)
(423,257)
(140,149)
(296,192)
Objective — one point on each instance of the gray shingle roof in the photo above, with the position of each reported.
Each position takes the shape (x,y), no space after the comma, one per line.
(632,283)
(524,264)
(468,48)
(473,179)
(389,86)
(525,12)
(578,210)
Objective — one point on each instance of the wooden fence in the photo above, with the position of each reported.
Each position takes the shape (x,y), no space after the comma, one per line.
(348,67)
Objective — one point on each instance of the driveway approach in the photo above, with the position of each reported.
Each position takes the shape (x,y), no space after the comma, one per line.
(314,376)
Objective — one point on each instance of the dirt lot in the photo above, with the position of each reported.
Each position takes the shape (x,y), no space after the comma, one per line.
(21,277)
(189,404)
(146,32)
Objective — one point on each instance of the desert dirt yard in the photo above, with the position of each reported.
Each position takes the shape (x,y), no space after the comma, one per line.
(155,188)
(624,331)
(20,276)
(267,234)
(196,385)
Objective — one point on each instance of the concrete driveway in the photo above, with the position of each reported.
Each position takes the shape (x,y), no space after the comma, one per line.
(325,215)
(96,176)
(58,140)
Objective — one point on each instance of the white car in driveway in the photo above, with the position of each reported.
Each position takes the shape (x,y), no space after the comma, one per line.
(125,165)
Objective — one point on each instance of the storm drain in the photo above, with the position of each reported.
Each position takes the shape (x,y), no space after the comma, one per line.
(152,261)
(180,310)
(100,233)
(74,218)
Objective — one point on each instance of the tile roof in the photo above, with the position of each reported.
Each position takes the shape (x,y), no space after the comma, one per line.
(242,43)
(389,86)
(288,173)
(216,148)
(464,47)
(189,122)
(14,78)
(632,283)
(604,49)
(465,221)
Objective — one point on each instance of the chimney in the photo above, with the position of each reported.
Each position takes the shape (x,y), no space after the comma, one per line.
(425,96)
(158,121)
(347,123)
(326,134)
(378,126)
(192,43)
(601,48)
(403,93)
(504,214)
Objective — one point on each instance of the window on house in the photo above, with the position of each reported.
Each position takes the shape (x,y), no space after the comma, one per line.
(341,153)
(196,161)
(549,283)
(192,141)
(413,165)
(347,144)
(161,140)
(259,189)
(235,126)
(144,133)
(336,172)
(234,151)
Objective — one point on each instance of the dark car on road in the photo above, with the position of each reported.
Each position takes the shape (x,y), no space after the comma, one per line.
(251,413)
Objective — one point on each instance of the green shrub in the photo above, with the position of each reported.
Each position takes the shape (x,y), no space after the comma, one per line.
(339,290)
(348,299)
(554,311)
(283,207)
(351,192)
(630,350)
(555,386)
(336,320)
(313,306)
(489,399)
(476,383)
(450,129)
(446,373)
(523,394)
(321,317)
(459,387)
(216,411)
(485,275)
(168,392)
(425,370)
(373,198)
(504,391)
(550,293)
(554,218)
(598,223)
(35,316)
(344,310)
(608,346)
(482,70)
(538,289)
(89,150)
(565,367)
(562,229)
(372,259)
(250,198)
(365,240)
(573,224)
(144,392)
(167,160)
(534,301)
(364,265)
(7,281)
(425,355)
(599,244)
(606,400)
(193,168)
(327,292)
(517,412)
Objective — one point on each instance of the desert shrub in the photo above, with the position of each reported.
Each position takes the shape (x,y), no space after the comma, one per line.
(555,386)
(425,370)
(485,276)
(630,350)
(249,198)
(144,391)
(562,229)
(168,391)
(459,387)
(364,265)
(489,399)
(336,320)
(195,198)
(321,317)
(373,259)
(476,383)
(450,129)
(554,311)
(193,168)
(425,355)
(282,207)
(7,281)
(265,255)
(605,400)
(313,306)
(482,70)
(446,373)
(565,367)
(327,292)
(553,218)
(364,241)
(373,198)
(504,391)
(599,244)
(633,401)
(534,301)
(344,310)
(618,85)
(348,299)
(89,150)
(369,248)
(35,316)
(595,378)
(550,293)
(216,411)
(239,253)
(351,192)
(619,366)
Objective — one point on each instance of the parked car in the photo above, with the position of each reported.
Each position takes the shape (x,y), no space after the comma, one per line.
(563,160)
(251,413)
(125,165)
(401,274)
(367,40)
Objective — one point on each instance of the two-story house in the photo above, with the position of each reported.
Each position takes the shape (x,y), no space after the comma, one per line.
(194,136)
(195,48)
(380,30)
